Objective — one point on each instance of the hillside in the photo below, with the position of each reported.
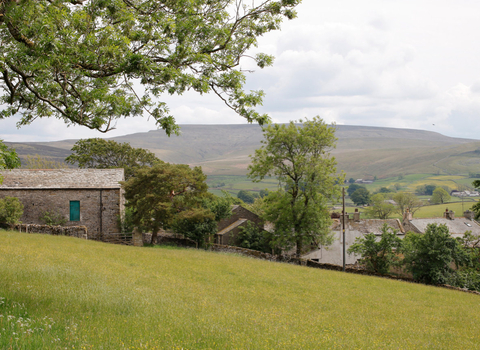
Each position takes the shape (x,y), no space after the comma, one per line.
(361,151)
(60,292)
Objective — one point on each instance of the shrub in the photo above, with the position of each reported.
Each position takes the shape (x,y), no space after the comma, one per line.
(428,256)
(52,218)
(11,210)
(251,237)
(377,256)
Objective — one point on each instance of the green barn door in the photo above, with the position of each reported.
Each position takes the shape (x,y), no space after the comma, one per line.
(74,210)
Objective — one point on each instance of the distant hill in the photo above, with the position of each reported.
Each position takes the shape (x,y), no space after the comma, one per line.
(361,152)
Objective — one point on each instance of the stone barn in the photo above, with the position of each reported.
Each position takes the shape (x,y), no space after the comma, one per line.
(88,197)
(229,228)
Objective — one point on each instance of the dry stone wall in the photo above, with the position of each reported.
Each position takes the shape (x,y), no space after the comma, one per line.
(72,231)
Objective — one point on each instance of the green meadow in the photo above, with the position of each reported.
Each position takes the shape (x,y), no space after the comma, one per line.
(233,184)
(68,293)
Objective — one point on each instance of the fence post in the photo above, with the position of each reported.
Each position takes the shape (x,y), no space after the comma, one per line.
(137,237)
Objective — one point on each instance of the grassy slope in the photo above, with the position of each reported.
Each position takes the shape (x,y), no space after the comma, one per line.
(91,295)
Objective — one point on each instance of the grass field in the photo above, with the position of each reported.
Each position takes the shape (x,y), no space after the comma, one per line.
(407,183)
(67,293)
(235,183)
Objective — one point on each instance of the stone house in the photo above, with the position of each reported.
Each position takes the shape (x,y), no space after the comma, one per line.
(457,226)
(88,197)
(355,226)
(229,228)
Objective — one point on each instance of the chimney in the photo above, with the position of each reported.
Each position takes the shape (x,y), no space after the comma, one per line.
(407,216)
(356,215)
(470,215)
(449,214)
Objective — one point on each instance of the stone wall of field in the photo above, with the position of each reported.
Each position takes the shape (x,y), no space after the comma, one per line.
(72,231)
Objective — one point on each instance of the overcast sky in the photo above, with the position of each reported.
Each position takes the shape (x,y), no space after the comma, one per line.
(407,64)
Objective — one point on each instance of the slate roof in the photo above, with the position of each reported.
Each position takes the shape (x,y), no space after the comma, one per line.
(61,178)
(458,226)
(373,225)
(232,226)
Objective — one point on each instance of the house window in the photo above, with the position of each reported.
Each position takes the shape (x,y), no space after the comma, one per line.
(74,210)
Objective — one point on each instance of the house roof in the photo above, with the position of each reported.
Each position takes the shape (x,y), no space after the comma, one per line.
(457,226)
(232,226)
(374,225)
(61,178)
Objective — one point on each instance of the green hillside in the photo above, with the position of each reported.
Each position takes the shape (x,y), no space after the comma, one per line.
(361,151)
(67,293)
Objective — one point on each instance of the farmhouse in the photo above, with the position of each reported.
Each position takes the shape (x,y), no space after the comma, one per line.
(88,197)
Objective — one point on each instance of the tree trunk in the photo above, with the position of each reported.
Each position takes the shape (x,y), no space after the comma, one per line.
(154,237)
(299,247)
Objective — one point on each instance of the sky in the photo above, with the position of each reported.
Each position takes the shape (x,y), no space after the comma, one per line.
(389,63)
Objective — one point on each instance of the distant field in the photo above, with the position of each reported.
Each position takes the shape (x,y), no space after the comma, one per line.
(438,210)
(408,183)
(68,293)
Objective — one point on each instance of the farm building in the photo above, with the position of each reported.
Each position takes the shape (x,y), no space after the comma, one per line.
(229,228)
(88,197)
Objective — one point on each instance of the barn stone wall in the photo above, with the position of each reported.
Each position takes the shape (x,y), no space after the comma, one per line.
(239,212)
(97,218)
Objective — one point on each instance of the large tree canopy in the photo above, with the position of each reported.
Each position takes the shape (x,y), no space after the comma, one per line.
(298,155)
(106,154)
(78,60)
(8,157)
(157,194)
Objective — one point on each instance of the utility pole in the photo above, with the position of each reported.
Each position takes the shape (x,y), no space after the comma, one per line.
(343,226)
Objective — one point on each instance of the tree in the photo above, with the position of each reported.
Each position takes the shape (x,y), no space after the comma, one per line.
(298,156)
(263,192)
(11,210)
(377,256)
(352,188)
(476,207)
(379,208)
(79,60)
(99,153)
(252,237)
(406,200)
(40,162)
(246,196)
(361,196)
(198,220)
(157,194)
(429,256)
(8,159)
(351,180)
(385,190)
(426,190)
(440,196)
